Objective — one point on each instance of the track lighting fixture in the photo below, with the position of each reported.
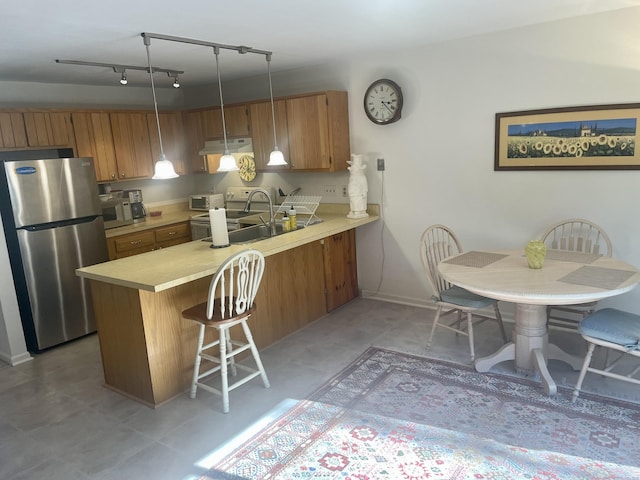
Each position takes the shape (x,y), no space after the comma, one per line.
(227,162)
(176,82)
(122,69)
(163,168)
(276,157)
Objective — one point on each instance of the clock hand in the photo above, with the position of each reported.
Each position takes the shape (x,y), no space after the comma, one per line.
(387,106)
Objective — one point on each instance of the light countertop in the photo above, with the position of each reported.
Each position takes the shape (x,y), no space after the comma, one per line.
(169,267)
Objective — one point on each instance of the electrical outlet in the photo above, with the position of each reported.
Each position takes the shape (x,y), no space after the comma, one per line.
(330,190)
(345,193)
(381,164)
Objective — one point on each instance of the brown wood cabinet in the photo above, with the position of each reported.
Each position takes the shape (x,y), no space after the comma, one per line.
(236,118)
(49,129)
(318,129)
(173,141)
(195,138)
(94,139)
(262,132)
(132,145)
(13,133)
(130,244)
(340,269)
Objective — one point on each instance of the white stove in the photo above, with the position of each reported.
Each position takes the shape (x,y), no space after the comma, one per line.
(235,201)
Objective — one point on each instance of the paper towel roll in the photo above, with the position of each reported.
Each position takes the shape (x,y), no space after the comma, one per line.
(219,234)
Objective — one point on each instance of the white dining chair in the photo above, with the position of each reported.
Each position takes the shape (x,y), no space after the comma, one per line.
(437,243)
(611,329)
(232,291)
(575,235)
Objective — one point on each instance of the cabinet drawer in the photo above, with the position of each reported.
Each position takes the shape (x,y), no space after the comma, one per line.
(170,232)
(135,241)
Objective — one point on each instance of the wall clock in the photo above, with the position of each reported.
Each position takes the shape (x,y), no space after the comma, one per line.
(247,167)
(383,102)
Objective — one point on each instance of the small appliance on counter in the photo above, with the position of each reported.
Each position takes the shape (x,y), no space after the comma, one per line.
(138,212)
(206,201)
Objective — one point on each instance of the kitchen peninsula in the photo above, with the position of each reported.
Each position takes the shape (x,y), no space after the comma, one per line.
(147,347)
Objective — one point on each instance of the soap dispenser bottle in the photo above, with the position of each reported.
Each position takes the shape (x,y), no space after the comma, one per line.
(286,223)
(292,218)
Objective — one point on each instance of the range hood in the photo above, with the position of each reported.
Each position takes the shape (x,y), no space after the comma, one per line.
(235,145)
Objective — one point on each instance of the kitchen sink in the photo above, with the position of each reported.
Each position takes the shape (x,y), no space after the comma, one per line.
(253,233)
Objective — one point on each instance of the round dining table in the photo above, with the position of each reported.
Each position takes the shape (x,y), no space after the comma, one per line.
(566,278)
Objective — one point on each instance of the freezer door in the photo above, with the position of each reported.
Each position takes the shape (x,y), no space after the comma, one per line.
(52,190)
(60,301)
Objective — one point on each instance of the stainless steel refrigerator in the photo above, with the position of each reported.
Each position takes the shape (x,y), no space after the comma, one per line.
(53,225)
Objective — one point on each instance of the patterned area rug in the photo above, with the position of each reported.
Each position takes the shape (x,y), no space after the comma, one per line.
(392,416)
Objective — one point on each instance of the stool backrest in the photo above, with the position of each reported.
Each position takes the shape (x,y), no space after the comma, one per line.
(234,286)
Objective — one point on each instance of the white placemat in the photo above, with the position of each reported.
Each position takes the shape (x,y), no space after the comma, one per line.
(577,257)
(476,259)
(599,277)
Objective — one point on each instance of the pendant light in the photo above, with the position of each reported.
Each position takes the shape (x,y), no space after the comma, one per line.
(227,162)
(276,158)
(163,168)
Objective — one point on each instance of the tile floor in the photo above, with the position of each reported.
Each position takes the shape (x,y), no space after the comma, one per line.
(57,421)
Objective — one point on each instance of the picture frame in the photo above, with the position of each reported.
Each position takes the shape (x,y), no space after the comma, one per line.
(597,137)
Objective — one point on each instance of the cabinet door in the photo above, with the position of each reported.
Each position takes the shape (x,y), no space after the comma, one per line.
(49,129)
(94,139)
(262,132)
(132,145)
(12,130)
(194,133)
(340,269)
(308,127)
(236,119)
(173,143)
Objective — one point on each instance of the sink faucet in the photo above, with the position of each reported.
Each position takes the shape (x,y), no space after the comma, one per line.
(272,220)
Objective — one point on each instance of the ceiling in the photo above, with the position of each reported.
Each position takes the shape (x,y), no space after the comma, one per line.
(34,33)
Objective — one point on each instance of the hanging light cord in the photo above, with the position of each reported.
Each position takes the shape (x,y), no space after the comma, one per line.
(216,50)
(155,102)
(273,113)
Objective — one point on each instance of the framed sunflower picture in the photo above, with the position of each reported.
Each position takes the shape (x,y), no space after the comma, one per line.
(599,137)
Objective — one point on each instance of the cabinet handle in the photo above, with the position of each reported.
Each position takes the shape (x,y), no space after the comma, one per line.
(113,175)
(135,242)
(172,233)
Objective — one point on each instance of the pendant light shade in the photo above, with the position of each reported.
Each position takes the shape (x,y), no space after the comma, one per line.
(227,162)
(276,158)
(163,168)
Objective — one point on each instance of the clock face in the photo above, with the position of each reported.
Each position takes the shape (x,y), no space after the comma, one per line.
(383,102)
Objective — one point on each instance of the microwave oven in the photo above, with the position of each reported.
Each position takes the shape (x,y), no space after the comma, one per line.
(206,201)
(116,212)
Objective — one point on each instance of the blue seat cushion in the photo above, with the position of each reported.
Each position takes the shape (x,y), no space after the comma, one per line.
(613,325)
(465,298)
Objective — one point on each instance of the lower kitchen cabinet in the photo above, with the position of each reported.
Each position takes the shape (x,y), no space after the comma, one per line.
(130,244)
(340,269)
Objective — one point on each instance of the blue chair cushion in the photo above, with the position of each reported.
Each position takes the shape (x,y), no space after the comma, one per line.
(612,325)
(465,298)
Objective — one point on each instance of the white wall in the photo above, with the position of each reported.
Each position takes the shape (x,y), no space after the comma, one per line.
(439,157)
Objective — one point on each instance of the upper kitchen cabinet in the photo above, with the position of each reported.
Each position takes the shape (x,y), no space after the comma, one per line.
(318,128)
(262,131)
(13,133)
(173,143)
(195,138)
(49,129)
(94,139)
(236,119)
(132,144)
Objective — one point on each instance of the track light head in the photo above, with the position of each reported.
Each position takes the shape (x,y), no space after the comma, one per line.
(123,79)
(176,82)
